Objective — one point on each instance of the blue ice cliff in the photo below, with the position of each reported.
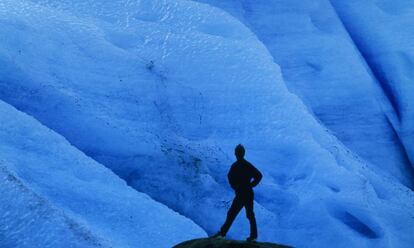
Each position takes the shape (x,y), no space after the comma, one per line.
(118,120)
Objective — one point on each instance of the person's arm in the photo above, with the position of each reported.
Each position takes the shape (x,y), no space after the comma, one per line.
(257,176)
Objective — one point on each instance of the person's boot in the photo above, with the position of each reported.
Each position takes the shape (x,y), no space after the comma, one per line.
(251,239)
(218,235)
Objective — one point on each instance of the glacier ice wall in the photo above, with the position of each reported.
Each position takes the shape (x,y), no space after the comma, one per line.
(161,91)
(55,196)
(323,65)
(383,32)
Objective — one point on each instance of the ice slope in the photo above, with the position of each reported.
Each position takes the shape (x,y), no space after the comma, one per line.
(322,64)
(54,196)
(28,220)
(161,91)
(384,32)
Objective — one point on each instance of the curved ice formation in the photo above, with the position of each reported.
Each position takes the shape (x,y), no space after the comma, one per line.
(55,196)
(161,91)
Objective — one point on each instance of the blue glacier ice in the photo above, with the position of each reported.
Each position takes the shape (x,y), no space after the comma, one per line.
(160,91)
(383,33)
(55,196)
(323,64)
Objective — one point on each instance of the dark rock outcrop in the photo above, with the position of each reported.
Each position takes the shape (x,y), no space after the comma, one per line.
(224,243)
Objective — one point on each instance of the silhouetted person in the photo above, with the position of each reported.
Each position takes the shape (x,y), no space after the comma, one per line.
(243,176)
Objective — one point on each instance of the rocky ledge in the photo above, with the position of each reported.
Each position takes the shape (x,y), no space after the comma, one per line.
(225,243)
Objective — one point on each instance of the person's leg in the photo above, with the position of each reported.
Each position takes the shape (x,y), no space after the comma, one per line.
(235,208)
(250,216)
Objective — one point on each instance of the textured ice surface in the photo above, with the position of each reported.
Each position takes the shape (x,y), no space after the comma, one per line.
(29,220)
(161,91)
(384,33)
(323,65)
(55,196)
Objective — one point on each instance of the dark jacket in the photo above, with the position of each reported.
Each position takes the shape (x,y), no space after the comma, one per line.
(241,174)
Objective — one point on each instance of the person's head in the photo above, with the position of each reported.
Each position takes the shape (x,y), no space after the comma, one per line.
(239,151)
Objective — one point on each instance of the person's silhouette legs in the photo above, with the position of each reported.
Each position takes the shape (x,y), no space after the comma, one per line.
(242,199)
(234,210)
(252,219)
